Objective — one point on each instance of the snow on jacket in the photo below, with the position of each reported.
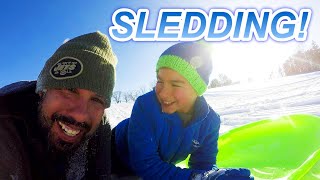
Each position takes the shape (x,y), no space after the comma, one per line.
(152,142)
(23,144)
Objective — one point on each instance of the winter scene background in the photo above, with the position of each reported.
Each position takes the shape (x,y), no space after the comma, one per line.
(245,103)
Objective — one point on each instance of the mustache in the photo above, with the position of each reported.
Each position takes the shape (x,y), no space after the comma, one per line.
(69,120)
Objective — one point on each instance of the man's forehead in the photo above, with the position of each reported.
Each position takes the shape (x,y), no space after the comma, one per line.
(92,93)
(89,91)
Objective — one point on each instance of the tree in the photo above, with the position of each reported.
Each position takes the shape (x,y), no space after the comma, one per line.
(222,80)
(303,61)
(142,90)
(116,96)
(119,96)
(126,96)
(130,96)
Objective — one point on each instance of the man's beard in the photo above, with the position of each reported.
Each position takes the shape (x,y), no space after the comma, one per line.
(54,142)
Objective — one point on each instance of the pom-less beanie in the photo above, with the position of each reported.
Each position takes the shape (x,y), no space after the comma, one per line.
(85,62)
(192,60)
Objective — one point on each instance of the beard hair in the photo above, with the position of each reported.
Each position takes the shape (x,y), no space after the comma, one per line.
(55,144)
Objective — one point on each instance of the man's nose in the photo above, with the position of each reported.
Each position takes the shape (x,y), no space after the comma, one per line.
(79,111)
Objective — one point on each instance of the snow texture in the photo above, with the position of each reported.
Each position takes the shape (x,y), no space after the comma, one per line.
(244,103)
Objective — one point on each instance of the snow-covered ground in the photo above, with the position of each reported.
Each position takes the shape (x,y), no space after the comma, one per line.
(244,103)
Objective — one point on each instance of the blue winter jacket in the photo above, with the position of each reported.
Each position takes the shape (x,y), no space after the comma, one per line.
(151,142)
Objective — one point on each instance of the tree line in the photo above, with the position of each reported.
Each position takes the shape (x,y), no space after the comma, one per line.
(303,61)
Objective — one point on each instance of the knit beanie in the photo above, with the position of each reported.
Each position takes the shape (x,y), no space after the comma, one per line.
(192,60)
(84,62)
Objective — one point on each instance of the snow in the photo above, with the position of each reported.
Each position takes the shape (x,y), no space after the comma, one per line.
(244,103)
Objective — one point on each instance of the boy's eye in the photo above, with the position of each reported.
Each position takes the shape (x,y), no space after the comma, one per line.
(176,85)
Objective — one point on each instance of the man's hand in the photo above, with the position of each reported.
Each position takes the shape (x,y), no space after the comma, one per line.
(225,174)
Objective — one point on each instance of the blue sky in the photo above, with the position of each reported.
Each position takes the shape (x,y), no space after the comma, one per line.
(32,31)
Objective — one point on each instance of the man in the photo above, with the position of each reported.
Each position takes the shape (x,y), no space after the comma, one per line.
(55,128)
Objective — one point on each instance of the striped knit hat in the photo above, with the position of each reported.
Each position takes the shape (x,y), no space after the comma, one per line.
(192,60)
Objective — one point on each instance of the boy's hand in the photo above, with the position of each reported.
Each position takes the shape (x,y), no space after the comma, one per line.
(225,174)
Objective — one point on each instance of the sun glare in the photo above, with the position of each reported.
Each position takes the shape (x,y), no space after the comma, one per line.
(249,61)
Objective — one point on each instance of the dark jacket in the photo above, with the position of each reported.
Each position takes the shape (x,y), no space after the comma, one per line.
(23,143)
(152,142)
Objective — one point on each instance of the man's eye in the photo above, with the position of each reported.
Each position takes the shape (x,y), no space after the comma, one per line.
(99,101)
(72,90)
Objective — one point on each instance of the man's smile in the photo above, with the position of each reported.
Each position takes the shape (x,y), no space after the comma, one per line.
(68,130)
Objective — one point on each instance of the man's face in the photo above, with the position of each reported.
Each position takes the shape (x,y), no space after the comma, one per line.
(174,92)
(71,116)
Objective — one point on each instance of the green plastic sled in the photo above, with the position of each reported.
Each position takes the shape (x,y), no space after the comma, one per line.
(284,148)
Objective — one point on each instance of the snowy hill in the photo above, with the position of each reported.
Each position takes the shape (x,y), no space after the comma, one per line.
(243,103)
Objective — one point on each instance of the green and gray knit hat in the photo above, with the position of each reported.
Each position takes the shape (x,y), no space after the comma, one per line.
(190,59)
(85,62)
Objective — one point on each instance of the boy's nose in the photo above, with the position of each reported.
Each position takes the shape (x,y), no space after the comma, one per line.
(165,92)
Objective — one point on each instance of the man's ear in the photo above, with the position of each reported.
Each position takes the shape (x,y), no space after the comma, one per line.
(104,118)
(42,93)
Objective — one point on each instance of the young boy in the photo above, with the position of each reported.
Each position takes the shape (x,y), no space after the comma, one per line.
(173,121)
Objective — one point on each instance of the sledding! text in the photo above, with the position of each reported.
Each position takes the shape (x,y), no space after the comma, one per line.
(217,25)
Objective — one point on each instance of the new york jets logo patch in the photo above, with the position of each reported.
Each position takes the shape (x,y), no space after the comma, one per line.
(67,67)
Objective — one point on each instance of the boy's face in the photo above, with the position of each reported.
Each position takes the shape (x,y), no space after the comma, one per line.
(70,116)
(174,92)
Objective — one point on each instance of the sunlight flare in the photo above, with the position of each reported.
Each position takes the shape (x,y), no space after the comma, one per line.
(250,61)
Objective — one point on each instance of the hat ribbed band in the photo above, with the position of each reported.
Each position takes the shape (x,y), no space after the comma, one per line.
(185,69)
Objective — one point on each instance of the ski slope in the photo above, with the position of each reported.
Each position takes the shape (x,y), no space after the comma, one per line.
(244,103)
